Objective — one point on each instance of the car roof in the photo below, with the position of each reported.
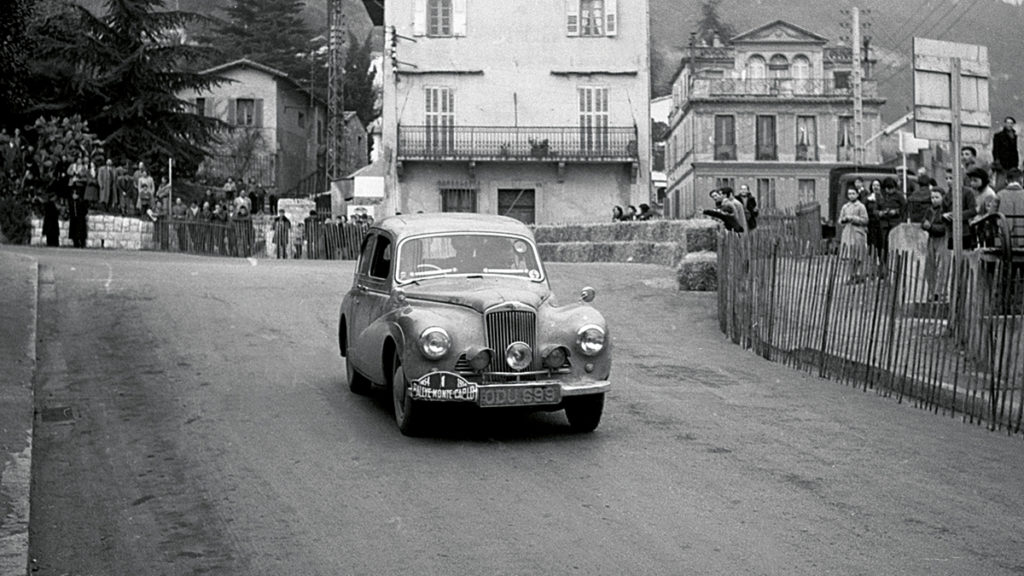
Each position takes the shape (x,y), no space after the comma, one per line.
(404,225)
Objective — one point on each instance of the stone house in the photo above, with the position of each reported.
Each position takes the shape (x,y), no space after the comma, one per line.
(539,114)
(771,108)
(278,133)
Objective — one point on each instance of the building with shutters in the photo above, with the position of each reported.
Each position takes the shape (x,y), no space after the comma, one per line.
(540,114)
(771,108)
(278,132)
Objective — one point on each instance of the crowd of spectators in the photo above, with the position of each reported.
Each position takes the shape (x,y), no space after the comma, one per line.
(630,213)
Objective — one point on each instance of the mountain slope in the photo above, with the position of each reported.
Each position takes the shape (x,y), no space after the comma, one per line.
(892,26)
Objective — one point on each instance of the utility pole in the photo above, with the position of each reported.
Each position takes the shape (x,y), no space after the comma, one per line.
(336,92)
(858,91)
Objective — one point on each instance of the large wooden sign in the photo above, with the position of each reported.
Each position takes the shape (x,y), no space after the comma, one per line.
(939,67)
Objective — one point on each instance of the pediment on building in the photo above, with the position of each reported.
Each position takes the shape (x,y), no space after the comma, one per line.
(779,31)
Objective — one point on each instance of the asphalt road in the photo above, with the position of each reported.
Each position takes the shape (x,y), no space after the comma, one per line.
(193,418)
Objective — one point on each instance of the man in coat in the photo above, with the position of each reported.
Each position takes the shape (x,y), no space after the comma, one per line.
(105,180)
(1004,147)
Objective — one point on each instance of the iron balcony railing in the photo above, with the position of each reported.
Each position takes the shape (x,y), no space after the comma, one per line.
(569,143)
(779,87)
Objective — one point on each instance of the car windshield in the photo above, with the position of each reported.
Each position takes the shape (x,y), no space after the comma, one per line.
(467,254)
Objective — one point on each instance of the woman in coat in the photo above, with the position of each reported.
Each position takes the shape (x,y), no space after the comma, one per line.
(78,212)
(51,221)
(854,240)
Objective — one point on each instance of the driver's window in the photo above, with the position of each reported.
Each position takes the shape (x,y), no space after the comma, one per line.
(366,253)
(380,266)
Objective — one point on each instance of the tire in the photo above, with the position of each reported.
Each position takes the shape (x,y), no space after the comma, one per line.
(357,383)
(408,412)
(584,412)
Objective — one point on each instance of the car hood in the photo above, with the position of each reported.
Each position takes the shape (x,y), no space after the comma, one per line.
(479,293)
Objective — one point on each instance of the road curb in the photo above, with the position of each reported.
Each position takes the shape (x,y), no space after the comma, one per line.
(19,302)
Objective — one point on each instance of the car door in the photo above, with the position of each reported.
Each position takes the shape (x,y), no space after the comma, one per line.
(372,292)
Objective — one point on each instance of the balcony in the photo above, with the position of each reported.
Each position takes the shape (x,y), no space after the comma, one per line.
(778,88)
(517,144)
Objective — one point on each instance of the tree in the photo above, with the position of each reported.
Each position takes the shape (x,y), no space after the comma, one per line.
(123,75)
(270,32)
(360,92)
(711,23)
(15,46)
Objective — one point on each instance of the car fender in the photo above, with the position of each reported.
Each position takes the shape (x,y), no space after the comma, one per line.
(558,326)
(463,324)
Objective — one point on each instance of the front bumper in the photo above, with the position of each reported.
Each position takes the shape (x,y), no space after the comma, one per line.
(451,387)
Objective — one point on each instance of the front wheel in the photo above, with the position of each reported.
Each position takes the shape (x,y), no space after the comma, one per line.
(408,412)
(584,412)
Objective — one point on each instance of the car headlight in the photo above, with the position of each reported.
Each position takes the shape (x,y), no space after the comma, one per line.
(435,342)
(590,339)
(518,356)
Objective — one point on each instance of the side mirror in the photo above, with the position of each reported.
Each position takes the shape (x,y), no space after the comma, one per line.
(587,294)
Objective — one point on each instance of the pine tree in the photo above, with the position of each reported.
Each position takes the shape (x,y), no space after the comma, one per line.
(15,46)
(121,72)
(270,32)
(360,93)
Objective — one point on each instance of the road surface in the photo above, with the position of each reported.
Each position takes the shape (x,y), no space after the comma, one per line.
(192,417)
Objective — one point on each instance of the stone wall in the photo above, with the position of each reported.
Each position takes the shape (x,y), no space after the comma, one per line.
(124,233)
(105,231)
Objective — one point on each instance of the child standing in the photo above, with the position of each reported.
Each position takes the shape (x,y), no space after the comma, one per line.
(936,264)
(854,239)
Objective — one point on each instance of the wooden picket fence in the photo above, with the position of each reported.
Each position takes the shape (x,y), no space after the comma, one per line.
(792,301)
(255,238)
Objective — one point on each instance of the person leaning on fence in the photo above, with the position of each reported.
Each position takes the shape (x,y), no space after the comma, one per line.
(282,228)
(854,237)
(936,264)
(617,214)
(740,213)
(722,212)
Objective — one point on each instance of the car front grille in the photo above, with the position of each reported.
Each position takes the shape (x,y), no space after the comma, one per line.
(507,326)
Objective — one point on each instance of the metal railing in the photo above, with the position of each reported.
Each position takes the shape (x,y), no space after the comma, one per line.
(569,143)
(778,87)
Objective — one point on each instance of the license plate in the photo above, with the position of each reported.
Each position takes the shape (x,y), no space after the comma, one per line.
(493,396)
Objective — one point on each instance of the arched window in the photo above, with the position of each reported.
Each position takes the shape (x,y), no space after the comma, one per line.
(801,67)
(801,73)
(778,67)
(757,68)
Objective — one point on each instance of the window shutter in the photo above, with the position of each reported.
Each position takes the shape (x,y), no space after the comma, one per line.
(572,17)
(258,113)
(611,17)
(419,19)
(208,108)
(458,17)
(232,108)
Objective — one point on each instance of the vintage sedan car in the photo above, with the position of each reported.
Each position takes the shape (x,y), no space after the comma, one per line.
(457,308)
